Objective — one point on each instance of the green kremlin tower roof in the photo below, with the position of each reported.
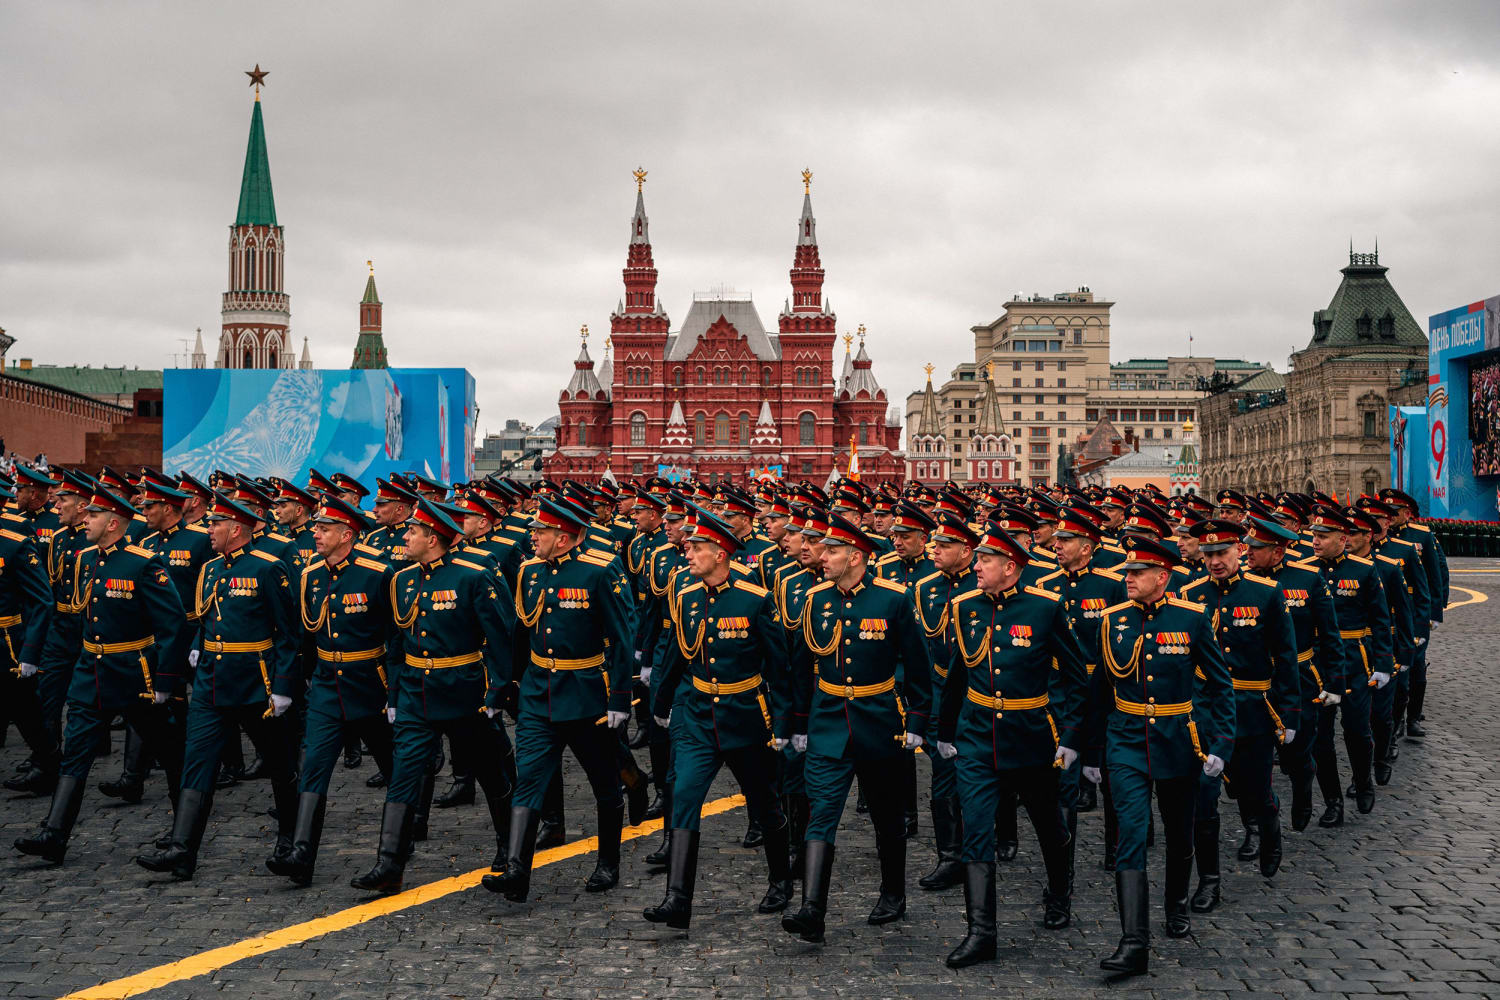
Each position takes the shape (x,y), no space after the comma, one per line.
(257,204)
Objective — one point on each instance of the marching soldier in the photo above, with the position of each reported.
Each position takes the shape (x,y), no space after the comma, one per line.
(1393,583)
(393,507)
(133,630)
(574,658)
(1435,563)
(731,652)
(456,628)
(246,675)
(858,629)
(1014,648)
(344,601)
(1162,727)
(663,567)
(1251,623)
(1364,620)
(26,609)
(796,580)
(1419,597)
(294,509)
(1320,651)
(952,574)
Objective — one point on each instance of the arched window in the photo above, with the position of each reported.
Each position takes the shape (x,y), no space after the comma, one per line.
(982,470)
(583,434)
(721,429)
(677,376)
(638,429)
(921,470)
(702,376)
(864,432)
(249,359)
(721,376)
(744,376)
(250,268)
(807,429)
(744,428)
(271,359)
(814,376)
(700,426)
(765,375)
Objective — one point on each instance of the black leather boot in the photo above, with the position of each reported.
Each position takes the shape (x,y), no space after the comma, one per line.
(391,855)
(1088,796)
(515,882)
(947,826)
(377,780)
(661,858)
(676,909)
(778,869)
(638,792)
(51,841)
(1179,872)
(1364,787)
(459,793)
(1206,850)
(1302,801)
(607,872)
(298,864)
(978,944)
(1270,843)
(421,813)
(500,813)
(256,770)
(1250,847)
(287,808)
(817,869)
(1006,841)
(1333,813)
(1133,955)
(35,779)
(130,786)
(353,755)
(796,815)
(1414,703)
(754,835)
(891,905)
(181,859)
(1058,897)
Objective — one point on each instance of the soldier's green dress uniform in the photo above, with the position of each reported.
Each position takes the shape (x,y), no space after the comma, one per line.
(456,621)
(247,644)
(60,649)
(857,722)
(26,612)
(1364,619)
(1015,691)
(574,653)
(1255,631)
(1411,697)
(1320,658)
(1395,565)
(792,586)
(133,625)
(727,691)
(1157,721)
(350,635)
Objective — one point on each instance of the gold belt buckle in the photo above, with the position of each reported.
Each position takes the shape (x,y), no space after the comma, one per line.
(715,690)
(849,691)
(552,664)
(1150,712)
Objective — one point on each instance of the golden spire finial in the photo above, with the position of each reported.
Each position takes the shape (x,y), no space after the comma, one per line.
(861,335)
(928,369)
(989,371)
(371,265)
(848,339)
(583,331)
(608,343)
(807,182)
(640,178)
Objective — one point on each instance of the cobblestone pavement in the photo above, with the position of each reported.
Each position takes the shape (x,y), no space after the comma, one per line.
(1404,901)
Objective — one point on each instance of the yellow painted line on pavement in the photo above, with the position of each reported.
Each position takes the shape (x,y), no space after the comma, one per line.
(215,959)
(1475,597)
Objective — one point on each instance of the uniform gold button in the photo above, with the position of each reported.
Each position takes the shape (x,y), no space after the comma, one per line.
(1150,678)
(712,660)
(710,638)
(424,634)
(218,657)
(1152,721)
(1226,649)
(1151,699)
(549,630)
(999,715)
(848,680)
(848,642)
(1148,656)
(341,673)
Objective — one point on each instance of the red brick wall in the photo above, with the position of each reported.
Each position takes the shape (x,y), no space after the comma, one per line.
(134,442)
(40,419)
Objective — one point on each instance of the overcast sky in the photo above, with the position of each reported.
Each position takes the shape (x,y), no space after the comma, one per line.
(1203,165)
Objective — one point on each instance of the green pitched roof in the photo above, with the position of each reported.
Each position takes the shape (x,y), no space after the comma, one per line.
(257,205)
(370,299)
(90,381)
(1365,311)
(1268,380)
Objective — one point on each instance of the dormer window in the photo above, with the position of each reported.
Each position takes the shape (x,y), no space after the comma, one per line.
(1363,327)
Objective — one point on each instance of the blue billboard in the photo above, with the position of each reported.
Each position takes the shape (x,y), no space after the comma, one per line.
(364,423)
(1462,447)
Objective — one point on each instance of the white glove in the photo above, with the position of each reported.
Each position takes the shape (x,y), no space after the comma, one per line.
(1329,698)
(615,720)
(779,745)
(1434,624)
(158,697)
(490,713)
(28,670)
(1400,668)
(1067,755)
(663,721)
(390,715)
(912,741)
(947,751)
(1287,735)
(799,742)
(279,704)
(192,657)
(1093,774)
(646,676)
(1213,766)
(1379,680)
(638,655)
